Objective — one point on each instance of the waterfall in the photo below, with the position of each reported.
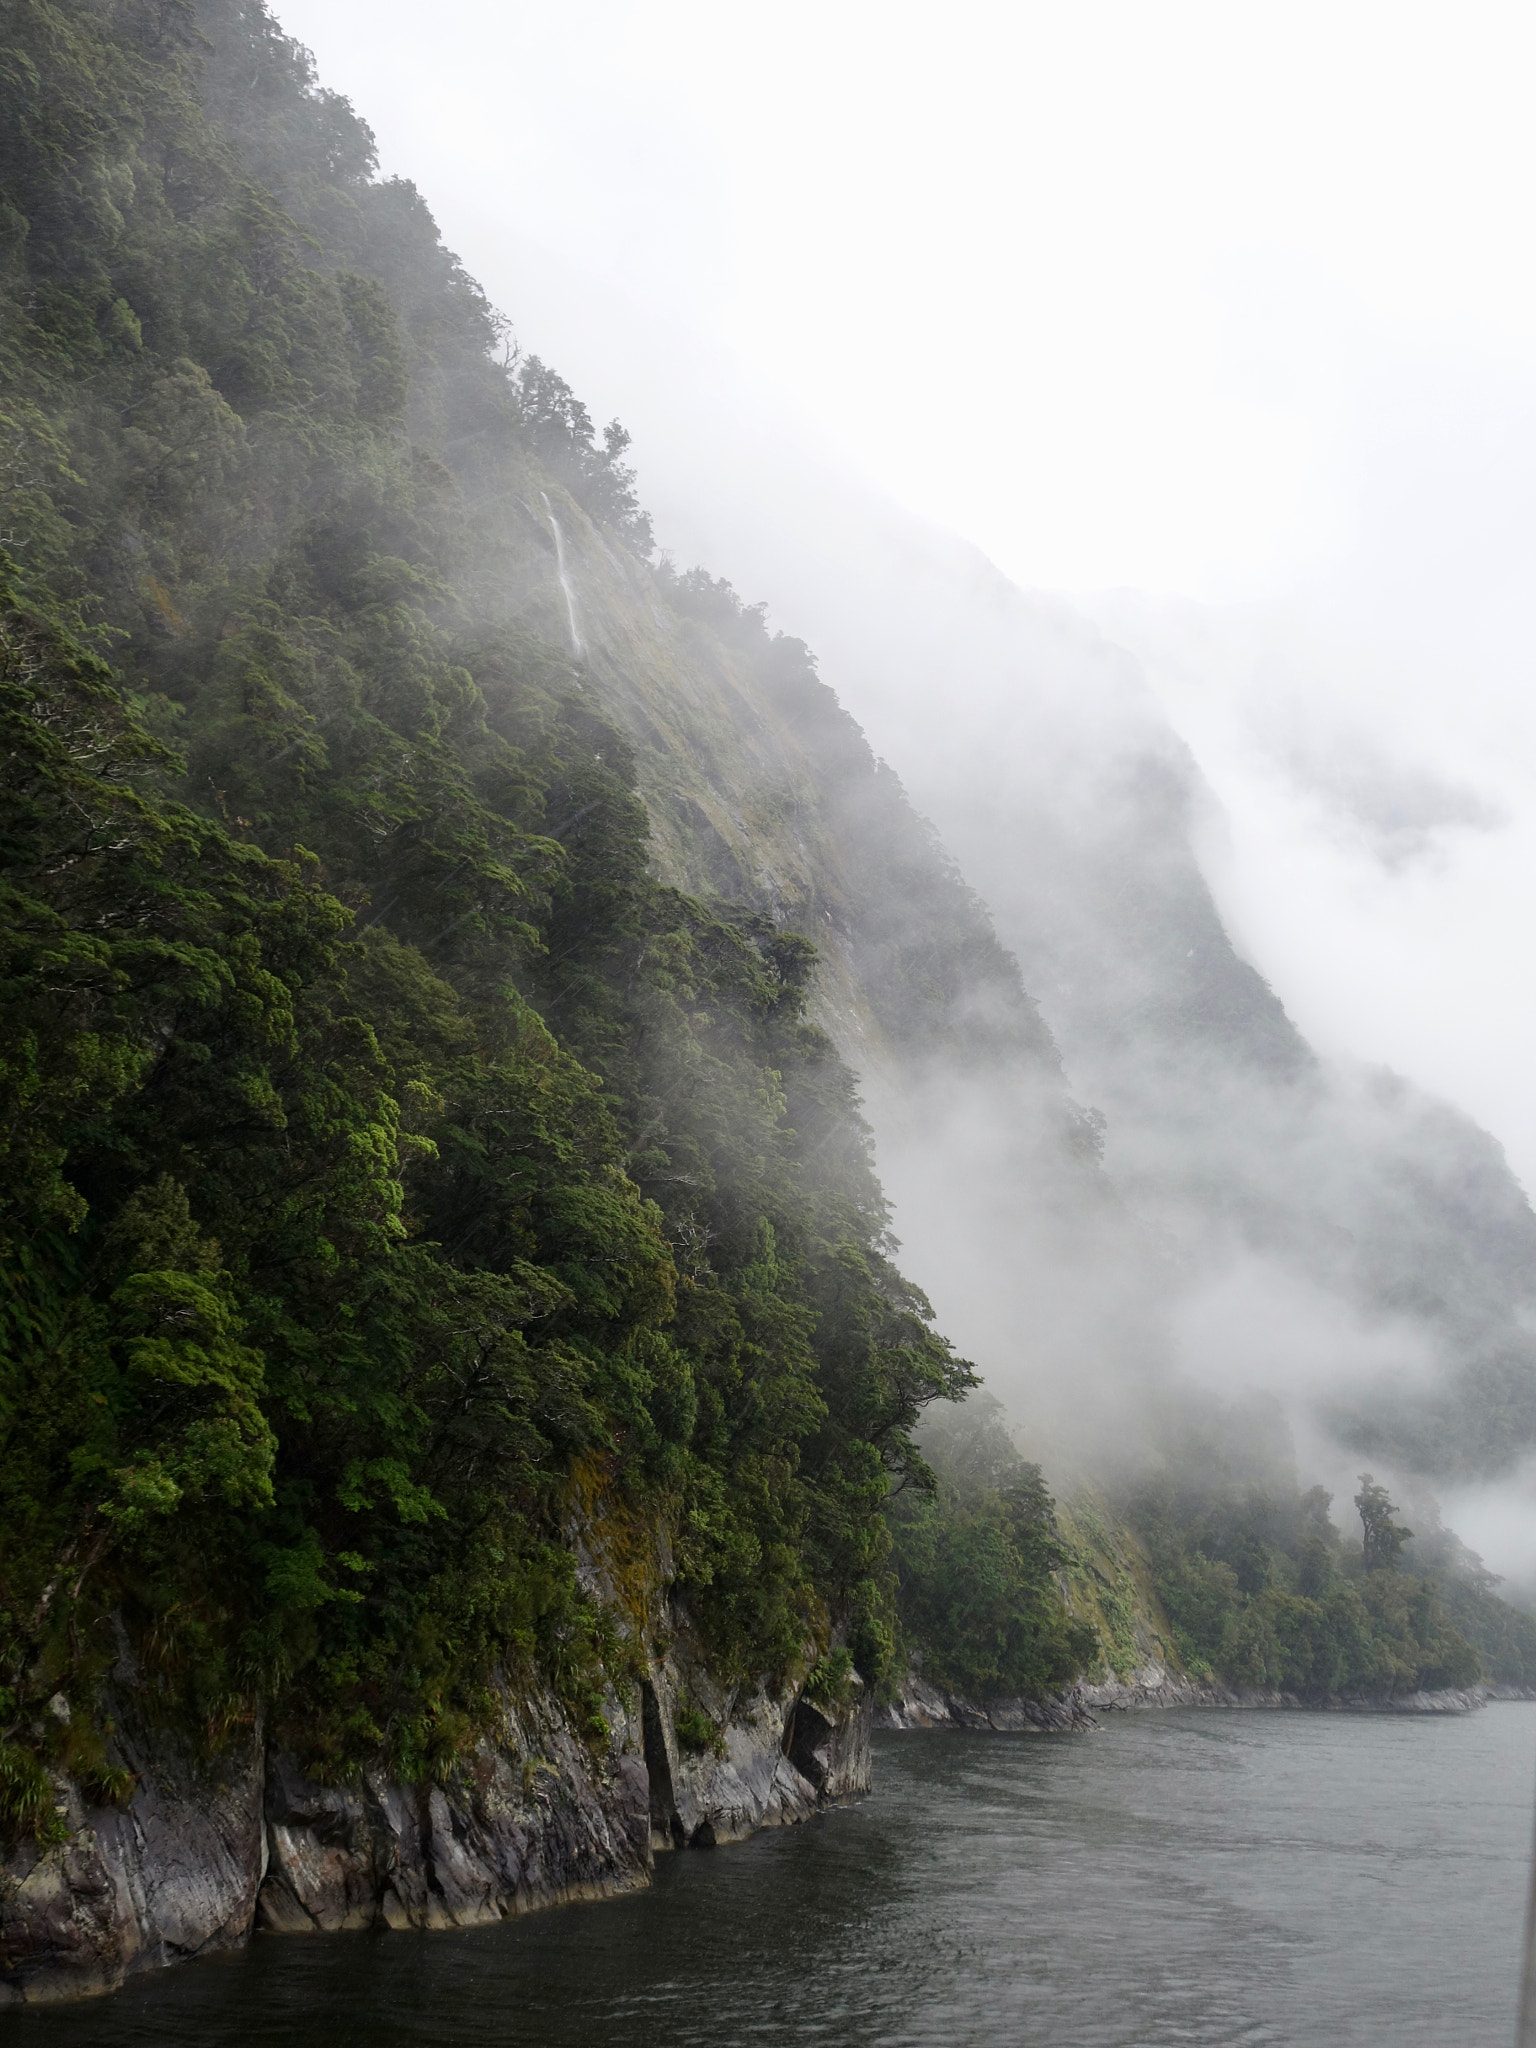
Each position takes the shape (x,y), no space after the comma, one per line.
(578,645)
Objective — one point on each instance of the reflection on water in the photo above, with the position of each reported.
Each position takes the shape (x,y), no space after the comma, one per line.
(1212,1879)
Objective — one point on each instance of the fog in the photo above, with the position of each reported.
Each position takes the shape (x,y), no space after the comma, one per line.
(1210,330)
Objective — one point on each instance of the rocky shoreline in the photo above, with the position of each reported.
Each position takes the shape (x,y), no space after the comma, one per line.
(213,1846)
(920,1705)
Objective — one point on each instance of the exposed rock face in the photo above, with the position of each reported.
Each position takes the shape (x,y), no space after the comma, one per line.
(530,1819)
(1153,1685)
(1454,1700)
(775,1759)
(702,1798)
(533,1816)
(208,1848)
(173,1876)
(921,1705)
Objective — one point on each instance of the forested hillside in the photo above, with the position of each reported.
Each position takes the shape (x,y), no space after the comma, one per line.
(1314,1190)
(425,916)
(393,1159)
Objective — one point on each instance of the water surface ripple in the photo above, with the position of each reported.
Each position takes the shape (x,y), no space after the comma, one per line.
(1182,1880)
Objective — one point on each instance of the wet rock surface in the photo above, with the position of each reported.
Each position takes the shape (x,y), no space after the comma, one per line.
(529,1819)
(919,1704)
(210,1847)
(173,1875)
(773,1758)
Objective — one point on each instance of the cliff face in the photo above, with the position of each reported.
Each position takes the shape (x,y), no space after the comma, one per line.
(432,1165)
(525,1158)
(220,1839)
(1080,816)
(454,1362)
(173,1875)
(213,1846)
(761,787)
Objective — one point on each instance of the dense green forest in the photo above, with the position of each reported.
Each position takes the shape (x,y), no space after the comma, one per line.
(394,1168)
(1261,1587)
(391,1160)
(1264,1588)
(977,1558)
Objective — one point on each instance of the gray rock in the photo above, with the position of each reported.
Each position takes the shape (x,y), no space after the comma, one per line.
(211,1846)
(922,1705)
(175,1875)
(530,1818)
(777,1757)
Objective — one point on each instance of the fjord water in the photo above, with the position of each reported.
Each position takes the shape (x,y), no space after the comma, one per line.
(1184,1878)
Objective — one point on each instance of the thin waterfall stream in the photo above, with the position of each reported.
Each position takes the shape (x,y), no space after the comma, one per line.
(578,645)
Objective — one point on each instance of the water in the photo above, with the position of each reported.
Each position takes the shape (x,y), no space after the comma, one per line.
(1185,1878)
(578,645)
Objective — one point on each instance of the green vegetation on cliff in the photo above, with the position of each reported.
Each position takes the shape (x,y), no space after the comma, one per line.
(390,1158)
(1218,1568)
(977,1564)
(396,1172)
(1263,1589)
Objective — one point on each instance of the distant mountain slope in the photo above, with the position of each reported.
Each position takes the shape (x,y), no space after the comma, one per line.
(1225,1127)
(1073,808)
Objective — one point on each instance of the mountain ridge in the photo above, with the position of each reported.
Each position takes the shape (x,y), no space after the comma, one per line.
(459,1396)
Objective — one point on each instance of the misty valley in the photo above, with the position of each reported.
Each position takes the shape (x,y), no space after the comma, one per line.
(589,1275)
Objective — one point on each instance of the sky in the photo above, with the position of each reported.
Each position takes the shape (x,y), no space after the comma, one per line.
(1217,317)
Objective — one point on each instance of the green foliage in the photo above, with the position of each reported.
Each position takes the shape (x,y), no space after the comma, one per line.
(1503,1636)
(560,428)
(927,959)
(829,1682)
(1262,1591)
(27,1798)
(1384,1539)
(696,1731)
(381,1144)
(976,1558)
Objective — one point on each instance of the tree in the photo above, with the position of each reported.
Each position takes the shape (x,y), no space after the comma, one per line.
(1383,1538)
